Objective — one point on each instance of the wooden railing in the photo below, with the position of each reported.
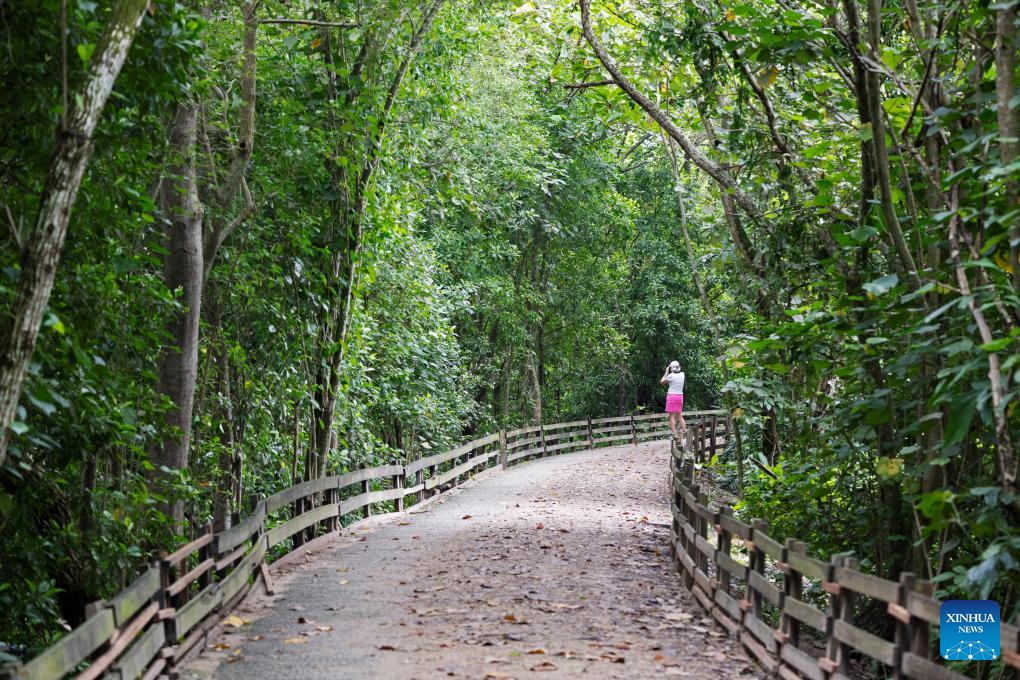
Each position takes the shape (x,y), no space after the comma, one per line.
(166,614)
(797,615)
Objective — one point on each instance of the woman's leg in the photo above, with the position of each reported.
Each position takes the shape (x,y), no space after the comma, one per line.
(683,424)
(672,423)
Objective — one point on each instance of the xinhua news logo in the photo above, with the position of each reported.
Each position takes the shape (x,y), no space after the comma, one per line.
(969,630)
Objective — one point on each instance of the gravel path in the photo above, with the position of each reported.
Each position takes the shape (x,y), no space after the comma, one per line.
(557,567)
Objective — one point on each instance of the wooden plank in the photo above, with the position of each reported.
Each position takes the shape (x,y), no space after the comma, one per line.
(765,658)
(154,670)
(191,614)
(918,667)
(924,607)
(472,463)
(768,545)
(703,598)
(865,642)
(702,581)
(185,550)
(807,566)
(183,582)
(765,587)
(133,598)
(365,474)
(866,584)
(238,578)
(120,643)
(349,505)
(523,454)
(266,581)
(805,613)
(293,493)
(613,438)
(614,428)
(283,531)
(569,423)
(728,604)
(429,461)
(568,434)
(736,569)
(761,631)
(61,658)
(231,557)
(704,547)
(228,539)
(614,419)
(522,443)
(651,416)
(802,662)
(567,445)
(1009,636)
(133,662)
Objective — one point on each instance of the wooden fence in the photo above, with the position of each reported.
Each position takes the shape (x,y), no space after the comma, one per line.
(799,616)
(166,614)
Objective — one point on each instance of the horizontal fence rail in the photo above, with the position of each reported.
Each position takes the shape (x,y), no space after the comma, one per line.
(798,616)
(166,614)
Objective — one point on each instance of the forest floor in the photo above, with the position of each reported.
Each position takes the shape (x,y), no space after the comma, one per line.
(558,567)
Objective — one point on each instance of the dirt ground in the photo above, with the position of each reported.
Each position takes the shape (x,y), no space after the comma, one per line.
(558,567)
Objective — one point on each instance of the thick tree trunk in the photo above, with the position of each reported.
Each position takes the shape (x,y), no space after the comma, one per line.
(183,272)
(1005,65)
(46,243)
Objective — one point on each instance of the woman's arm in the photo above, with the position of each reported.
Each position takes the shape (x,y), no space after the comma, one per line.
(662,380)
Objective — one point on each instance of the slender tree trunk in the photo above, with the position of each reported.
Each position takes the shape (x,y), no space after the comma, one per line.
(1005,66)
(228,462)
(45,245)
(183,272)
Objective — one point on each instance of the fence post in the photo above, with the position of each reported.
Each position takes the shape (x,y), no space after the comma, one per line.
(366,486)
(591,438)
(204,553)
(502,449)
(545,447)
(633,431)
(789,627)
(837,654)
(702,530)
(723,545)
(433,471)
(757,563)
(712,445)
(398,483)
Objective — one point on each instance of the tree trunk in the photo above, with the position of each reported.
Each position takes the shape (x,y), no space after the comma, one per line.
(46,243)
(183,272)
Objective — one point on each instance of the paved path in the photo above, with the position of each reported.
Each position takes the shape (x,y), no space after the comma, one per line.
(558,567)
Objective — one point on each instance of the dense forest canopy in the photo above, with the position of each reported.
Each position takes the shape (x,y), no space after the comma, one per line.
(249,243)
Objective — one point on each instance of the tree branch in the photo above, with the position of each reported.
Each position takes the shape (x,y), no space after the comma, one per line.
(721,177)
(312,22)
(594,83)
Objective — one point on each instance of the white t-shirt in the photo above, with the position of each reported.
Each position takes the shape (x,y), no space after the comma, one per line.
(676,383)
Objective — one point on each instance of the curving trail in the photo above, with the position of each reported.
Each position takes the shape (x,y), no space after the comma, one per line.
(558,567)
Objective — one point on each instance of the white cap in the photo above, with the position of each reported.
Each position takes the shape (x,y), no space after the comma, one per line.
(674,364)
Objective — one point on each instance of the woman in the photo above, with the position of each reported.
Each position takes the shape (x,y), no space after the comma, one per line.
(674,377)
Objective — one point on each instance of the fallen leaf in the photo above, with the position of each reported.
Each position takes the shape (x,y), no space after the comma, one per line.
(540,526)
(344,582)
(536,651)
(544,666)
(387,648)
(233,620)
(324,629)
(295,641)
(220,646)
(466,517)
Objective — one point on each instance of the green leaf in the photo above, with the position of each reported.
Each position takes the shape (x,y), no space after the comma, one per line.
(996,345)
(961,413)
(85,51)
(881,285)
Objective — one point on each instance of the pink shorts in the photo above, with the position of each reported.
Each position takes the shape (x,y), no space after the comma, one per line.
(674,403)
